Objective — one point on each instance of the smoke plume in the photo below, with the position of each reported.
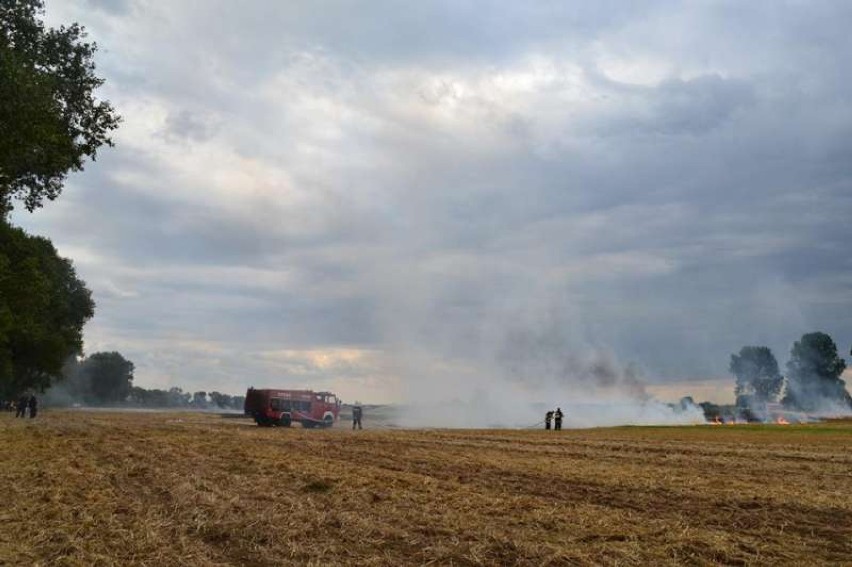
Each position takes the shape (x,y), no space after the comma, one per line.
(509,372)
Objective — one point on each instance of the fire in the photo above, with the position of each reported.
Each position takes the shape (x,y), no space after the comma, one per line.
(782,421)
(716,421)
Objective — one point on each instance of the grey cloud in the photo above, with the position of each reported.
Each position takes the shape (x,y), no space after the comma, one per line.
(699,104)
(114,7)
(189,126)
(665,224)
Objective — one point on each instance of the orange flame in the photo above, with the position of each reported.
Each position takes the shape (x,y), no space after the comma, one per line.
(782,421)
(716,421)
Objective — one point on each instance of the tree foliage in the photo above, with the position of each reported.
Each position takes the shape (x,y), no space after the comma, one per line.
(104,378)
(43,307)
(110,377)
(813,375)
(50,120)
(757,374)
(221,400)
(199,399)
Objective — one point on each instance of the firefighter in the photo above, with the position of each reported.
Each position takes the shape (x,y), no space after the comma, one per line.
(22,406)
(33,405)
(357,412)
(557,419)
(548,417)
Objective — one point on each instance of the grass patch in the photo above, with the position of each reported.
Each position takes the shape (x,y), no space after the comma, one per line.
(319,485)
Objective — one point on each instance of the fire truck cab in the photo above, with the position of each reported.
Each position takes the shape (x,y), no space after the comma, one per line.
(283,407)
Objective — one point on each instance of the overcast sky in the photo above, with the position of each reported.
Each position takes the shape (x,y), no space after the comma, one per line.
(358,195)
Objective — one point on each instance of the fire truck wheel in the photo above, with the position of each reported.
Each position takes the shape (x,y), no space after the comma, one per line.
(284,421)
(327,421)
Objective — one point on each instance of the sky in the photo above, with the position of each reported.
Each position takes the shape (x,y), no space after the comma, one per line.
(391,199)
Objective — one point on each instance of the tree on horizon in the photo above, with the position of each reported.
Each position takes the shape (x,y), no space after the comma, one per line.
(757,374)
(813,375)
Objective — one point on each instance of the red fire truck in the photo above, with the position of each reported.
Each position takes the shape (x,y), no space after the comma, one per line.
(283,407)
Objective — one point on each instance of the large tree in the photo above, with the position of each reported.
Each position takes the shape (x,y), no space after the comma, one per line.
(43,307)
(50,120)
(757,374)
(110,377)
(813,375)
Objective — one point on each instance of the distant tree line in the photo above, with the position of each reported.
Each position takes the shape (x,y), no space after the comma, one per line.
(106,379)
(812,383)
(176,398)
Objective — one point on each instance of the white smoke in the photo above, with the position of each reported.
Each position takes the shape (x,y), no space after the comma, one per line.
(829,408)
(512,381)
(495,340)
(499,408)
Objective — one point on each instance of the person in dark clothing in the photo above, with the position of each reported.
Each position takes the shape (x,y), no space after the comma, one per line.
(357,412)
(22,407)
(548,417)
(557,419)
(33,404)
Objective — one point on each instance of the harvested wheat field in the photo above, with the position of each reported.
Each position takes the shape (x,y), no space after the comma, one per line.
(95,488)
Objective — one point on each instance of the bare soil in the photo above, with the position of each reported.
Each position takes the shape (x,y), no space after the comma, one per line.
(99,488)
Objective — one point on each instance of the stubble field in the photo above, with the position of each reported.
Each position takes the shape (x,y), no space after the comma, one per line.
(96,488)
